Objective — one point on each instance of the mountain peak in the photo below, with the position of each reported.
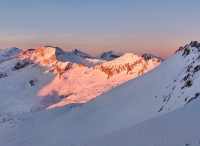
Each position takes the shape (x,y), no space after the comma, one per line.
(9,52)
(188,47)
(195,44)
(150,56)
(81,54)
(12,51)
(110,55)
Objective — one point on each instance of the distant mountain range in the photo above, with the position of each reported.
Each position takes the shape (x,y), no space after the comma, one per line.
(48,76)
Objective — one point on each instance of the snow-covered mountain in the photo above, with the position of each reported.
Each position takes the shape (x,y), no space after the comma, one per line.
(80,53)
(6,53)
(98,79)
(160,107)
(49,77)
(150,56)
(74,56)
(111,55)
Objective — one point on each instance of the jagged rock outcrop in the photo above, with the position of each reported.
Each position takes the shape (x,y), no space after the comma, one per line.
(109,56)
(150,56)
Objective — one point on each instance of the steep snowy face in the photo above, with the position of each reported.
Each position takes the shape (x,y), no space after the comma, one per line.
(111,55)
(184,84)
(150,56)
(4,54)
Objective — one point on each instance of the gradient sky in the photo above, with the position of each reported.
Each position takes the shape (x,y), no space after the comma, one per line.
(139,26)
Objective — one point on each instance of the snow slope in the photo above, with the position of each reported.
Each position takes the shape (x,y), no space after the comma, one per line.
(131,109)
(47,77)
(178,128)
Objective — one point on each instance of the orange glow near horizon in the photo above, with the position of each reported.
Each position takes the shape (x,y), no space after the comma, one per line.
(163,49)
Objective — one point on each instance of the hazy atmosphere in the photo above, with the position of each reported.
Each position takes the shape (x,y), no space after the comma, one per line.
(157,27)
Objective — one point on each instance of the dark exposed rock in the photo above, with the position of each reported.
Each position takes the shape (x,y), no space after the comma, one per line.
(186,77)
(3,75)
(188,69)
(196,69)
(65,95)
(161,109)
(20,65)
(186,47)
(114,56)
(110,54)
(187,84)
(186,52)
(81,54)
(194,44)
(195,97)
(32,82)
(150,56)
(181,48)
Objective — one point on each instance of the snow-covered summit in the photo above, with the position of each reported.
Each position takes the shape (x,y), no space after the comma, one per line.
(4,54)
(111,55)
(129,63)
(80,53)
(12,51)
(150,56)
(187,48)
(51,54)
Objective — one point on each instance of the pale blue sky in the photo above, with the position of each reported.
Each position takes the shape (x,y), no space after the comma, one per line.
(157,26)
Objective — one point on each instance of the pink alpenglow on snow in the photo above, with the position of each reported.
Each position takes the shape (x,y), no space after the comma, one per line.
(49,77)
